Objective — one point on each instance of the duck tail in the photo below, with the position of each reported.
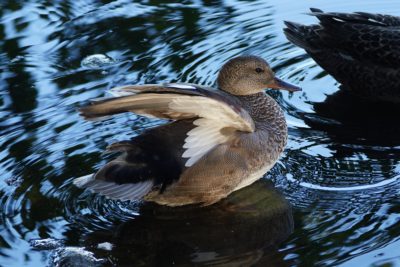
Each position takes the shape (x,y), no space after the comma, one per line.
(306,37)
(331,19)
(300,35)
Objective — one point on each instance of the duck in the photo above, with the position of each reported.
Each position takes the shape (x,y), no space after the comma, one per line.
(360,50)
(216,140)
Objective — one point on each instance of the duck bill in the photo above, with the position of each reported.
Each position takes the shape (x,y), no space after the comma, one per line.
(282,85)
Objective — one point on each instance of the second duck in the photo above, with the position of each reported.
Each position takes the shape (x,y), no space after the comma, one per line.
(360,50)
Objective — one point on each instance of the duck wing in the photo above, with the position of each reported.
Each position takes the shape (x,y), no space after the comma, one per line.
(152,160)
(204,118)
(217,115)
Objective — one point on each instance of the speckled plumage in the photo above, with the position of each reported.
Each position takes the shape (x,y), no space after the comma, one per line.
(360,50)
(221,140)
(228,165)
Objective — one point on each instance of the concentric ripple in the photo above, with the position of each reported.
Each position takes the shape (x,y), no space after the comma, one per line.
(340,171)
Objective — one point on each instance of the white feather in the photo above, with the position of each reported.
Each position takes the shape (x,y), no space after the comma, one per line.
(192,160)
(214,116)
(118,91)
(84,180)
(195,143)
(191,152)
(180,86)
(126,90)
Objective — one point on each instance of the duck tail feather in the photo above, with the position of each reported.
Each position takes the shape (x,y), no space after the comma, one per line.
(316,10)
(299,34)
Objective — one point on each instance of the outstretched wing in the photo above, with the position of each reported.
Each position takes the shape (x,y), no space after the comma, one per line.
(218,116)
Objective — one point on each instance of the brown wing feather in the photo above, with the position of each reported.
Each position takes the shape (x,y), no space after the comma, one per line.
(214,112)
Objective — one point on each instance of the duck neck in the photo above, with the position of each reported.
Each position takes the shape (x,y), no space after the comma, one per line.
(265,111)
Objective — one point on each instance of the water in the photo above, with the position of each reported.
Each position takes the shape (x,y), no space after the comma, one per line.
(339,172)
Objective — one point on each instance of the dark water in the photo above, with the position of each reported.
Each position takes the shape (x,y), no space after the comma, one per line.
(339,172)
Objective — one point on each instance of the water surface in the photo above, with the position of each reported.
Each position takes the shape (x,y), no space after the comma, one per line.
(339,172)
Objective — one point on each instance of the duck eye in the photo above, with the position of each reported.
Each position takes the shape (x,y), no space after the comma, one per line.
(259,70)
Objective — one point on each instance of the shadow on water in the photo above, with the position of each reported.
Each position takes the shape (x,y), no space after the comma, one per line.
(351,120)
(242,230)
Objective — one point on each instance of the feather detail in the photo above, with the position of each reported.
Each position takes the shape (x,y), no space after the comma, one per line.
(127,191)
(214,116)
(212,113)
(82,181)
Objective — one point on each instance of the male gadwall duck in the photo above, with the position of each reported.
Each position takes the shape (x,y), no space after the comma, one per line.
(218,142)
(360,50)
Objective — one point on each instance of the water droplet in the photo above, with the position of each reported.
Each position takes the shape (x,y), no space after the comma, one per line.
(97,61)
(16,59)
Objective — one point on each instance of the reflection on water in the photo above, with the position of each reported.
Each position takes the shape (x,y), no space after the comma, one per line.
(339,171)
(241,230)
(354,122)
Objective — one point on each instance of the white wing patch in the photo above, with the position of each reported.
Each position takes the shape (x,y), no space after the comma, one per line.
(202,139)
(214,116)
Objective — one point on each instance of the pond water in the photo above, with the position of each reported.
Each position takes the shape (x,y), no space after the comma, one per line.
(333,198)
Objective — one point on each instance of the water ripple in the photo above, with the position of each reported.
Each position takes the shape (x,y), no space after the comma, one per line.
(340,170)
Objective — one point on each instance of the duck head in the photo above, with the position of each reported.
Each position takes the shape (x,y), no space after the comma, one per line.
(246,75)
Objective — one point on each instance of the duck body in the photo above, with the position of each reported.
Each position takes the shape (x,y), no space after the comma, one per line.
(360,50)
(231,165)
(216,144)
